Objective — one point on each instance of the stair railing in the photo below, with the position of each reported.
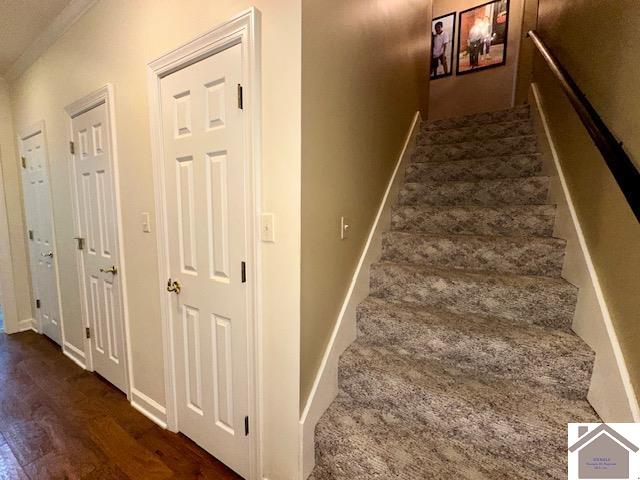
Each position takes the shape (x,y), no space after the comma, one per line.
(623,169)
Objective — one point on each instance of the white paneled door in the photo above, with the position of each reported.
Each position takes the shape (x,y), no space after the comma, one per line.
(39,215)
(98,239)
(204,171)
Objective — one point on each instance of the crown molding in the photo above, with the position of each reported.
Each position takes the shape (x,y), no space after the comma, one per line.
(65,19)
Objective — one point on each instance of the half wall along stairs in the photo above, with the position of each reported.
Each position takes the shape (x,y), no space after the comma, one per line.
(465,366)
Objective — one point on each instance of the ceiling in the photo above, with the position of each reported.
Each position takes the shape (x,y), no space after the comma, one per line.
(21,22)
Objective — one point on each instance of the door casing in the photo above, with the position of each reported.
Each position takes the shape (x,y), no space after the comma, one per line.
(243,29)
(35,129)
(102,95)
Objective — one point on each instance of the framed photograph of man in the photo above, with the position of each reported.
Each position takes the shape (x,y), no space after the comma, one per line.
(442,34)
(482,37)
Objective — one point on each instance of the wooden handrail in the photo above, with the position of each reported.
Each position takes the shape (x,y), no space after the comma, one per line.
(619,163)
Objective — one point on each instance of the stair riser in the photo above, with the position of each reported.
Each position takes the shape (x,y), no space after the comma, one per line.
(536,221)
(533,257)
(529,191)
(481,119)
(536,303)
(500,167)
(481,149)
(554,368)
(470,134)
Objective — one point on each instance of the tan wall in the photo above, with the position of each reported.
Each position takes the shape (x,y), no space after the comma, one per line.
(113,43)
(483,91)
(15,278)
(364,75)
(611,231)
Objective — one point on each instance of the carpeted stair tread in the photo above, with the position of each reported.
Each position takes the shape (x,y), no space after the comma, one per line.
(529,299)
(356,442)
(480,119)
(476,149)
(475,219)
(510,191)
(550,359)
(510,128)
(510,166)
(521,255)
(386,395)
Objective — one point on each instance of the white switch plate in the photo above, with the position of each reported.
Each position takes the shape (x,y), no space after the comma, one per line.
(146,222)
(344,228)
(267,227)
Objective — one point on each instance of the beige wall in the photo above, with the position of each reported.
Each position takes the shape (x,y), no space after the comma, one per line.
(15,280)
(483,91)
(113,43)
(364,75)
(611,231)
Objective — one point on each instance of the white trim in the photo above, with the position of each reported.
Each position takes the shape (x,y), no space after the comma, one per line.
(242,29)
(65,19)
(28,324)
(325,385)
(104,95)
(149,407)
(24,134)
(75,354)
(607,392)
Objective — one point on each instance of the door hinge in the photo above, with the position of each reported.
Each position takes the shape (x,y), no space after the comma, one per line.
(246,426)
(37,303)
(72,148)
(24,162)
(240,100)
(80,241)
(30,234)
(87,332)
(243,272)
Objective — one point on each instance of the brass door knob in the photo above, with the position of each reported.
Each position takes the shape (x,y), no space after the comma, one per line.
(112,269)
(173,286)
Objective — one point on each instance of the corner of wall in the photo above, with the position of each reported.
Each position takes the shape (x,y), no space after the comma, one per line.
(611,393)
(325,386)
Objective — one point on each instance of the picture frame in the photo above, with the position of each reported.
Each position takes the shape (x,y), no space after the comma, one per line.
(444,61)
(483,33)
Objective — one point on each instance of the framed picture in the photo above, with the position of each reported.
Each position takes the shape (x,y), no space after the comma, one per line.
(443,30)
(482,37)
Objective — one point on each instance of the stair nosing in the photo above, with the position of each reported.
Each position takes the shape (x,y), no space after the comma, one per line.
(531,135)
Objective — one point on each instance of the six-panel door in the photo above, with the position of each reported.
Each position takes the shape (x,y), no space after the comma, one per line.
(98,228)
(205,203)
(38,212)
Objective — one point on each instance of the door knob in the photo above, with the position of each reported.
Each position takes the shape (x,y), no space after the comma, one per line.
(173,286)
(112,269)
(49,254)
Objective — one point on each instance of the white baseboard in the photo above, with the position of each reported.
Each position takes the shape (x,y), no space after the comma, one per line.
(28,324)
(75,354)
(325,386)
(149,407)
(610,393)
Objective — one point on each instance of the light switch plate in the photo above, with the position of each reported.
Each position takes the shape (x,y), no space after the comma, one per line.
(146,222)
(267,227)
(345,226)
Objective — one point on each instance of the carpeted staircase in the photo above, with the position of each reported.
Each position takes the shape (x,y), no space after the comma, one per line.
(465,366)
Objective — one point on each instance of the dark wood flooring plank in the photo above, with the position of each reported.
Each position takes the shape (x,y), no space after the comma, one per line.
(124,451)
(58,421)
(10,469)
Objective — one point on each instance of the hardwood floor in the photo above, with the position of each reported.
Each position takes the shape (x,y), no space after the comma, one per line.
(58,421)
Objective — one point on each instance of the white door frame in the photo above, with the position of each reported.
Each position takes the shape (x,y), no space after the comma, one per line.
(24,134)
(243,29)
(102,95)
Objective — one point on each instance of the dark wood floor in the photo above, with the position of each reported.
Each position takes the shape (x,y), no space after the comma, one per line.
(58,421)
